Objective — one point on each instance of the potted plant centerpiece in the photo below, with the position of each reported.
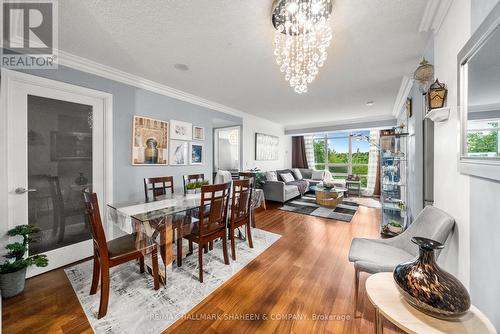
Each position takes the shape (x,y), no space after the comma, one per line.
(13,270)
(191,187)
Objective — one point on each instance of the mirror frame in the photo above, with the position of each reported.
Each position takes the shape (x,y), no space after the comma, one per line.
(476,166)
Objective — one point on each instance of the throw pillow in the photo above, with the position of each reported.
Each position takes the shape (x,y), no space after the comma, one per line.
(271,176)
(297,174)
(317,174)
(287,177)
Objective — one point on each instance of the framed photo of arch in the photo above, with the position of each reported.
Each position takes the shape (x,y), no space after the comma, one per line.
(149,141)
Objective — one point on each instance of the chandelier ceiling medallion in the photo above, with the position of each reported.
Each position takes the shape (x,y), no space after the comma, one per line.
(302,36)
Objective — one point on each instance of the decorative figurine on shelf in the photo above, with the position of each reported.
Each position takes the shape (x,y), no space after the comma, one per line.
(436,97)
(429,288)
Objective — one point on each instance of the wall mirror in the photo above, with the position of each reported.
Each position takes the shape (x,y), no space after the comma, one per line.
(479,96)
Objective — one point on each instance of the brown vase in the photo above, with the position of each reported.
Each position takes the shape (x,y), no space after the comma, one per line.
(429,288)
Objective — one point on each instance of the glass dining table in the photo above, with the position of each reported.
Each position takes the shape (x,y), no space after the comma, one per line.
(163,221)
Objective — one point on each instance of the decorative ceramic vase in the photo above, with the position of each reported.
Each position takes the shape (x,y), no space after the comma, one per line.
(429,288)
(81,180)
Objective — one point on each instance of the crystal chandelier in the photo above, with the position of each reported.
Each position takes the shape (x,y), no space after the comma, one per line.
(302,37)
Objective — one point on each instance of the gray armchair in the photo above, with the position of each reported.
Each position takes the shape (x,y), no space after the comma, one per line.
(383,255)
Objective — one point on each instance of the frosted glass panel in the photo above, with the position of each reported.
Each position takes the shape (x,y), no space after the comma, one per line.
(59,168)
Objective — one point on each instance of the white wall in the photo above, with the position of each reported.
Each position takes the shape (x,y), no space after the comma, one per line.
(253,124)
(474,249)
(451,189)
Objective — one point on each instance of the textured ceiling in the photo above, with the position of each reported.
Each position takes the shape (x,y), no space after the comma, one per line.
(228,46)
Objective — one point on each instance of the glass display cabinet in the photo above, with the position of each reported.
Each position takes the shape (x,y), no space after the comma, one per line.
(393,181)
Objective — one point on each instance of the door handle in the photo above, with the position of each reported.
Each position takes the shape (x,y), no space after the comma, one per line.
(22,190)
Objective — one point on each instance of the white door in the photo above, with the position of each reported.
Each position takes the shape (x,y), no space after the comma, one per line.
(57,145)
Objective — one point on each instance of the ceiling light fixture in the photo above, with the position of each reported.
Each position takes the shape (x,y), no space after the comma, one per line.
(302,36)
(370,103)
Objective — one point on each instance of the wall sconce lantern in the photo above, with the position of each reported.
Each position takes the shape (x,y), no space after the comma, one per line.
(436,97)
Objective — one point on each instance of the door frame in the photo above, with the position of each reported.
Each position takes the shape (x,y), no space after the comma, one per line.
(10,78)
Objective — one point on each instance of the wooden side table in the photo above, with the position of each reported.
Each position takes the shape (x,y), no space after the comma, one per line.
(389,304)
(354,187)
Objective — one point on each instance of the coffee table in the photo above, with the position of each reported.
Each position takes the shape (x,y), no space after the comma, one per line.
(329,197)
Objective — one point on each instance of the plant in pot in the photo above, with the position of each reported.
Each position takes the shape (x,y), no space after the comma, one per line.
(13,270)
(395,227)
(191,187)
(260,179)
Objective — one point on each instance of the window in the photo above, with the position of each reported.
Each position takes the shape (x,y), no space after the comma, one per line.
(483,138)
(342,155)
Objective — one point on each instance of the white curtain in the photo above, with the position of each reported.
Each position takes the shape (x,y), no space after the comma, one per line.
(308,142)
(372,163)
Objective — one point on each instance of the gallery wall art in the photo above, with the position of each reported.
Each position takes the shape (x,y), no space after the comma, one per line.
(181,130)
(198,133)
(266,147)
(149,141)
(178,152)
(196,154)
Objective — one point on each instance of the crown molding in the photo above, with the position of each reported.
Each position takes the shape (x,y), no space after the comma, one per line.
(434,15)
(343,124)
(92,67)
(404,91)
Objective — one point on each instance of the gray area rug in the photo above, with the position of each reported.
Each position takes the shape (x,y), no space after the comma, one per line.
(135,307)
(307,206)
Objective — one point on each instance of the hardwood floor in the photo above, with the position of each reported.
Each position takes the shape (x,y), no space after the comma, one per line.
(305,274)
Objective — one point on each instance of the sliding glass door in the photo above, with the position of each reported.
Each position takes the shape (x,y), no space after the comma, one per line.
(342,154)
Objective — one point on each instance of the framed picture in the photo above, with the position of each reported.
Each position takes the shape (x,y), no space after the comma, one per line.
(149,141)
(409,111)
(181,130)
(196,154)
(69,145)
(266,147)
(198,133)
(178,152)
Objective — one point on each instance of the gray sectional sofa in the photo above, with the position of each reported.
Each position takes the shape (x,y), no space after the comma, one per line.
(279,191)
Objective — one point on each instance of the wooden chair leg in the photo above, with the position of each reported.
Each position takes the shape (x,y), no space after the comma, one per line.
(103,305)
(156,275)
(224,249)
(190,247)
(163,247)
(200,262)
(249,235)
(141,264)
(95,275)
(356,291)
(233,246)
(179,251)
(205,248)
(211,245)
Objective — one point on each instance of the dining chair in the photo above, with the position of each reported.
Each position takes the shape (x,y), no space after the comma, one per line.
(383,255)
(113,253)
(192,178)
(61,211)
(158,186)
(241,206)
(211,224)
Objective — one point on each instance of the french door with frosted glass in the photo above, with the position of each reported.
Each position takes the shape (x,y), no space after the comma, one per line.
(56,148)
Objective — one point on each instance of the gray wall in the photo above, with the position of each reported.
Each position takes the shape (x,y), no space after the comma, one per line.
(129,101)
(484,221)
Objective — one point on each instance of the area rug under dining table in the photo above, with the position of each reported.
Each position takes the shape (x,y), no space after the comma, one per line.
(135,307)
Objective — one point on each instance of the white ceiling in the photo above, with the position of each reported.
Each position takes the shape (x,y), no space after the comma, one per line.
(228,46)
